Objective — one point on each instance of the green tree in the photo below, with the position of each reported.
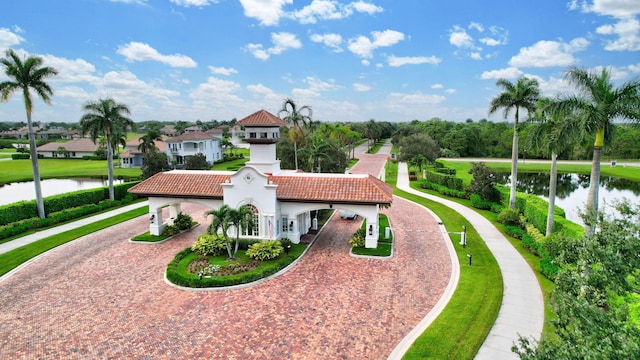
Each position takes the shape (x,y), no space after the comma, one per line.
(598,104)
(372,132)
(317,149)
(105,117)
(242,219)
(483,182)
(153,162)
(299,118)
(598,280)
(26,76)
(220,223)
(523,94)
(147,141)
(418,144)
(553,131)
(419,161)
(197,162)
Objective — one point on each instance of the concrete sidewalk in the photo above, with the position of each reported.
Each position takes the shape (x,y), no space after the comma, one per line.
(22,241)
(522,310)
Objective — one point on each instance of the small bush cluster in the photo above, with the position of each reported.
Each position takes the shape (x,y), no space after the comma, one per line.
(19,156)
(265,250)
(443,189)
(183,222)
(358,239)
(449,181)
(209,245)
(509,217)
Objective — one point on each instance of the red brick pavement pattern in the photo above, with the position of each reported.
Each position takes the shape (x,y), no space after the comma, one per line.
(103,297)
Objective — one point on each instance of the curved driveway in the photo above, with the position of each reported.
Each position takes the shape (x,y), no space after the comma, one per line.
(103,297)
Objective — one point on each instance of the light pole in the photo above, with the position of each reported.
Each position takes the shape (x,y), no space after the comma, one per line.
(463,236)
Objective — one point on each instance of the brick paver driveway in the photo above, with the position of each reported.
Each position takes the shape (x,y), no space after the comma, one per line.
(103,297)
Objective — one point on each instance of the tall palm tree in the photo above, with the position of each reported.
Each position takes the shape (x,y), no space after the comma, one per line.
(25,76)
(300,118)
(372,131)
(553,131)
(599,103)
(523,94)
(241,218)
(105,117)
(316,150)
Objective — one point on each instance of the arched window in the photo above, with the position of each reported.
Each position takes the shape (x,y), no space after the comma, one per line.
(254,227)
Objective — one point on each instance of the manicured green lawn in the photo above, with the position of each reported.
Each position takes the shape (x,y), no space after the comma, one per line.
(14,258)
(20,170)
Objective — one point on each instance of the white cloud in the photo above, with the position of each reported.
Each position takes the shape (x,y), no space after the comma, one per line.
(628,33)
(282,41)
(476,56)
(616,8)
(74,71)
(137,51)
(216,93)
(331,10)
(363,46)
(408,103)
(450,91)
(222,70)
(437,86)
(476,26)
(490,41)
(546,53)
(200,3)
(508,73)
(458,37)
(365,62)
(268,12)
(333,41)
(314,89)
(361,87)
(137,2)
(10,38)
(395,61)
(265,94)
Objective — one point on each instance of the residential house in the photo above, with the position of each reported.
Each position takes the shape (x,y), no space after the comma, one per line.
(70,149)
(168,130)
(132,157)
(179,148)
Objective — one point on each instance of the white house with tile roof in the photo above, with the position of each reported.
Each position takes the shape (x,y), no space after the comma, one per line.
(282,201)
(179,148)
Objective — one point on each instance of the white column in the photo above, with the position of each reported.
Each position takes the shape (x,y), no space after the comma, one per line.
(156,226)
(174,210)
(371,238)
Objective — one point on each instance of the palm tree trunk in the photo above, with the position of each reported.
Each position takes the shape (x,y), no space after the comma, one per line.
(553,182)
(514,168)
(33,153)
(295,153)
(110,168)
(594,183)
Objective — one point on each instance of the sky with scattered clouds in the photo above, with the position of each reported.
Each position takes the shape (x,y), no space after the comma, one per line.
(386,60)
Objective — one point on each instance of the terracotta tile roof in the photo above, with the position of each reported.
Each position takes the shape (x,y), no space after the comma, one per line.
(196,135)
(261,118)
(303,187)
(80,145)
(198,184)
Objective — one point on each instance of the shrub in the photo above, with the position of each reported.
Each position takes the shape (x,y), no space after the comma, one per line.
(449,181)
(183,221)
(286,244)
(19,156)
(509,217)
(530,243)
(209,245)
(478,203)
(265,250)
(443,190)
(358,239)
(483,183)
(170,230)
(514,231)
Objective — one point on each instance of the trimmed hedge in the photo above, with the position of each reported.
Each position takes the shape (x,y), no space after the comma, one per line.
(450,181)
(22,210)
(442,189)
(535,209)
(20,156)
(19,227)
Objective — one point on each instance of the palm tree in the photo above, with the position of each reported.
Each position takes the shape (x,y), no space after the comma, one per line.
(219,222)
(300,118)
(599,104)
(241,218)
(523,94)
(26,76)
(372,131)
(147,141)
(105,118)
(316,150)
(553,132)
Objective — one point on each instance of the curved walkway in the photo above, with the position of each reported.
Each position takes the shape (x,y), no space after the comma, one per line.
(522,310)
(104,297)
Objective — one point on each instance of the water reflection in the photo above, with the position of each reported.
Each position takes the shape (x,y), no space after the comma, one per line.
(20,191)
(572,190)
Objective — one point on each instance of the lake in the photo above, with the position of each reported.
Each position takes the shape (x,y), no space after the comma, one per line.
(20,191)
(573,189)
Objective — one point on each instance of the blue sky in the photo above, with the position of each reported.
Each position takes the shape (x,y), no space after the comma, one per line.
(388,60)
